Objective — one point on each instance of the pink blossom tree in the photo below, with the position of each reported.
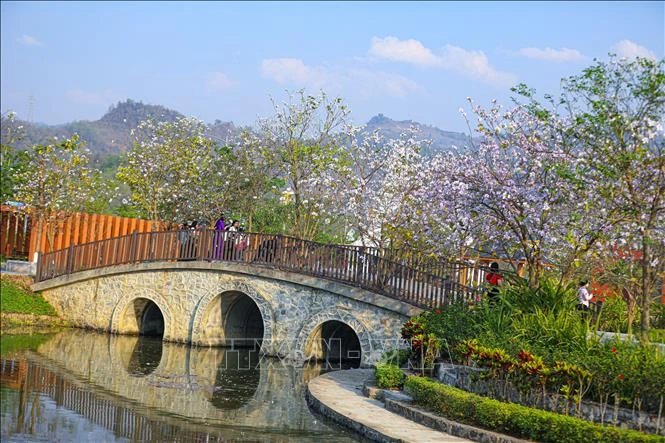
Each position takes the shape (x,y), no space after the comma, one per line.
(613,116)
(513,193)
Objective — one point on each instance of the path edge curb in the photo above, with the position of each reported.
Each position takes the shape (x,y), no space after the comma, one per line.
(370,433)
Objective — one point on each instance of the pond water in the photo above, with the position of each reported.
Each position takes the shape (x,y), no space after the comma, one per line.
(84,386)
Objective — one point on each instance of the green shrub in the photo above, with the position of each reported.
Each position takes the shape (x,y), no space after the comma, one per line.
(509,418)
(396,357)
(553,335)
(435,333)
(16,297)
(389,376)
(545,323)
(452,325)
(636,374)
(657,335)
(549,296)
(614,316)
(657,311)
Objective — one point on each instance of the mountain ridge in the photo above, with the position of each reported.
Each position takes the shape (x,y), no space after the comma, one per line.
(111,134)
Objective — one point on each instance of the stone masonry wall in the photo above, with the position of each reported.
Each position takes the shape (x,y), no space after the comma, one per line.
(291,312)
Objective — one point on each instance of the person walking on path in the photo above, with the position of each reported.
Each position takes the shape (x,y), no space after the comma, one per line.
(583,297)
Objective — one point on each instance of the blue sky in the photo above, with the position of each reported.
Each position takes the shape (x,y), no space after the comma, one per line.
(222,60)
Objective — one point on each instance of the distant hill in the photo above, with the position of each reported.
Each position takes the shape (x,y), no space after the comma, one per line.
(110,135)
(441,140)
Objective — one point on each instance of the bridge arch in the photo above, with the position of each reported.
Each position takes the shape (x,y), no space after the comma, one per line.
(340,317)
(239,303)
(133,311)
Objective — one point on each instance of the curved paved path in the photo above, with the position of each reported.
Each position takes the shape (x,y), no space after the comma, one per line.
(339,396)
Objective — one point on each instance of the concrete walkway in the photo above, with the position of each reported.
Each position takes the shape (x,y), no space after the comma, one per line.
(338,395)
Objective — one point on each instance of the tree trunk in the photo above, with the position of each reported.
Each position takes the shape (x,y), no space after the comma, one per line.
(645,297)
(535,270)
(631,315)
(40,232)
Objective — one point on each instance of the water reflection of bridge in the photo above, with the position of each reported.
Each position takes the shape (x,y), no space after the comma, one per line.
(97,407)
(149,407)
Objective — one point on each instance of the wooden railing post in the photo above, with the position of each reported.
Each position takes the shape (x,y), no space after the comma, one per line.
(70,259)
(39,271)
(202,244)
(132,248)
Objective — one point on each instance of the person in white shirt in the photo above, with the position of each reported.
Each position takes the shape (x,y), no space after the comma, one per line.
(583,297)
(234,239)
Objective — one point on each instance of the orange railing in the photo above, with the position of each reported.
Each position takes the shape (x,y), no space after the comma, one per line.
(76,228)
(14,232)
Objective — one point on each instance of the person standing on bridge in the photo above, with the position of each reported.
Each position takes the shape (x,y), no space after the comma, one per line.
(232,239)
(220,227)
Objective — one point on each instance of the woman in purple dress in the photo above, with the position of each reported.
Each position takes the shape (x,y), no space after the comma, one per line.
(220,227)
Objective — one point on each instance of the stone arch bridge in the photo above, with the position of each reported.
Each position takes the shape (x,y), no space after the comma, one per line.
(291,298)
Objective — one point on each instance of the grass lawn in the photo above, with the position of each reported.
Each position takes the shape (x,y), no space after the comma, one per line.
(16,297)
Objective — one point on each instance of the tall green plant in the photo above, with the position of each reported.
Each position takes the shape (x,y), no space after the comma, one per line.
(552,334)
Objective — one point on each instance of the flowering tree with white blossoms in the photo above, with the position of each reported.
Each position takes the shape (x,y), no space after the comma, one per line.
(450,227)
(168,170)
(303,138)
(381,187)
(12,161)
(255,172)
(57,182)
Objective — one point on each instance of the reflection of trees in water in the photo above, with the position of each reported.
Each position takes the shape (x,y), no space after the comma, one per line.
(237,379)
(146,356)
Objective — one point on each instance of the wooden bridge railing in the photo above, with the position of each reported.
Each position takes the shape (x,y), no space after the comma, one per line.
(347,264)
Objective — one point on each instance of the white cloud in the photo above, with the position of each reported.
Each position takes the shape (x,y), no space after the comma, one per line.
(29,40)
(218,81)
(293,70)
(377,83)
(476,65)
(408,51)
(454,58)
(91,98)
(552,55)
(630,49)
(336,79)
